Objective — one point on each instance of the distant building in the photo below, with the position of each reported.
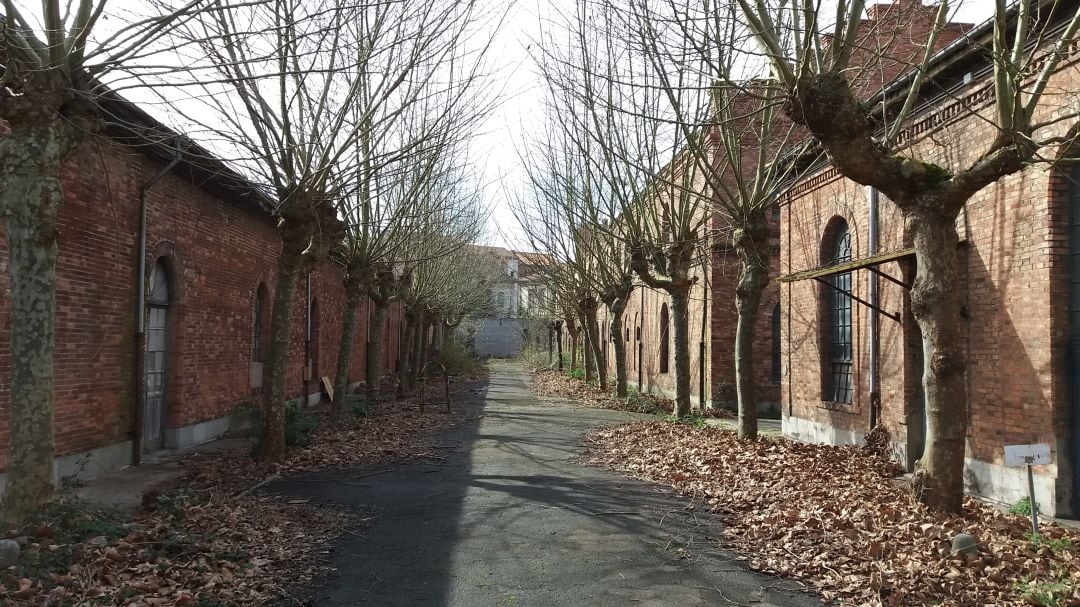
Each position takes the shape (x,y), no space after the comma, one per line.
(520,291)
(519,303)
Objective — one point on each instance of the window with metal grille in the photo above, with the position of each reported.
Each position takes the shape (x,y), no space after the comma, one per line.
(838,386)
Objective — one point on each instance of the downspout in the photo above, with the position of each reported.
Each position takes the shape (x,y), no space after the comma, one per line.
(701,344)
(307,343)
(875,317)
(640,342)
(140,311)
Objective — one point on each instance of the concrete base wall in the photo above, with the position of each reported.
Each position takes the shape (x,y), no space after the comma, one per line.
(1007,485)
(88,465)
(85,466)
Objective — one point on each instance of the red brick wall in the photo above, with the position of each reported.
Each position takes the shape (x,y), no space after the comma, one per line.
(217,252)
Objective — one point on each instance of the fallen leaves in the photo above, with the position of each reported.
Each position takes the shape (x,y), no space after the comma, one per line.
(554,383)
(213,540)
(835,518)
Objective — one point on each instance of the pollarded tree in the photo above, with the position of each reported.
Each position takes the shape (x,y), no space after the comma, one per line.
(390,205)
(690,49)
(813,62)
(657,197)
(300,85)
(565,217)
(53,62)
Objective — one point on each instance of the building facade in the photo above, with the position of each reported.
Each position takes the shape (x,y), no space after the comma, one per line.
(210,259)
(847,367)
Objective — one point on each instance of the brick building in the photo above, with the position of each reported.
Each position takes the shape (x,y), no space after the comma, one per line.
(846,367)
(211,247)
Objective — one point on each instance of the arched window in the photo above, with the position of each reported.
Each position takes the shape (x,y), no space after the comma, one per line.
(665,349)
(838,316)
(776,343)
(258,316)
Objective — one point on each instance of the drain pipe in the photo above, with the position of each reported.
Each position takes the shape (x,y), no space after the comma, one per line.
(140,311)
(307,345)
(875,316)
(701,343)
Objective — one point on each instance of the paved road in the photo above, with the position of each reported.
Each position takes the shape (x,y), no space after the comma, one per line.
(510,519)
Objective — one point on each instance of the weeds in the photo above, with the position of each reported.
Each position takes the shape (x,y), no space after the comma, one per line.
(1057,545)
(459,361)
(1022,507)
(1056,592)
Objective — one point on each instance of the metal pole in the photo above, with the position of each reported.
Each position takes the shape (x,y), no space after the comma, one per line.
(1031,500)
(875,303)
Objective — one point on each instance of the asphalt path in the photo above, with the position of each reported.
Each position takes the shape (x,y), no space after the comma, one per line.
(507,516)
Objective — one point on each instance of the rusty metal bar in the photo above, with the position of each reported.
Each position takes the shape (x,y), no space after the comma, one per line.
(446,383)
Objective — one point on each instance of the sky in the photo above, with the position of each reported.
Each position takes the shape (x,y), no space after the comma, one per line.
(518,118)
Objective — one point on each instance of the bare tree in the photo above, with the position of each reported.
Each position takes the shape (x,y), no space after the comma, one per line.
(813,62)
(564,216)
(53,63)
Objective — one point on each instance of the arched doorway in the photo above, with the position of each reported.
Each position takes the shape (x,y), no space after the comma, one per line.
(156,360)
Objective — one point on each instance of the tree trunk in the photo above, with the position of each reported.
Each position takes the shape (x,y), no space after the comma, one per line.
(617,310)
(574,332)
(590,358)
(405,352)
(596,341)
(32,198)
(353,299)
(422,344)
(680,319)
(290,267)
(752,245)
(937,305)
(373,362)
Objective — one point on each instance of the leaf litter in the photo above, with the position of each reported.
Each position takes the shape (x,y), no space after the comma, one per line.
(838,519)
(211,539)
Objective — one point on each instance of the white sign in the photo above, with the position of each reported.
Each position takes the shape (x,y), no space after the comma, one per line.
(1019,455)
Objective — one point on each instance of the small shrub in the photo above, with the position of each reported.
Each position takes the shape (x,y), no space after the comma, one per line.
(69,522)
(642,403)
(1022,507)
(535,359)
(694,419)
(298,426)
(578,373)
(457,360)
